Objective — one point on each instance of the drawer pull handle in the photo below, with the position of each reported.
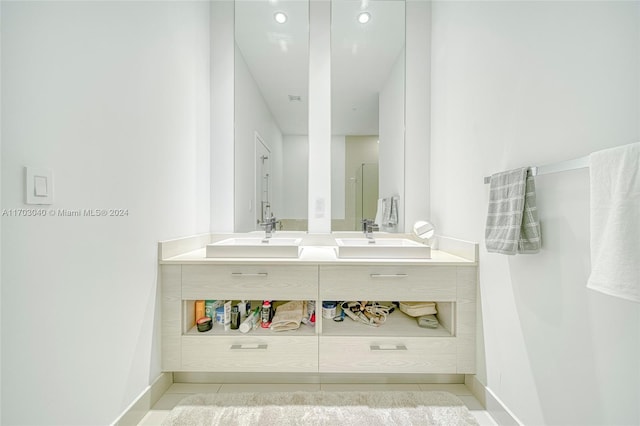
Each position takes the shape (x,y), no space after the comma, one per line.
(247,274)
(388,347)
(389,275)
(262,346)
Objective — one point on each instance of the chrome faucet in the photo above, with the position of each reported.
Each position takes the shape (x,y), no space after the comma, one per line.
(269,228)
(367,228)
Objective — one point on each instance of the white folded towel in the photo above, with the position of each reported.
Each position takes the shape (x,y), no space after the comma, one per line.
(615,221)
(378,218)
(393,215)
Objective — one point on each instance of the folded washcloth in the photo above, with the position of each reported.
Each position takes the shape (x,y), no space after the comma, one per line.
(288,316)
(418,309)
(512,218)
(428,321)
(615,225)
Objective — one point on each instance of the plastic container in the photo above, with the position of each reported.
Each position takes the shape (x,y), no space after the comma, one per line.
(251,321)
(204,324)
(220,314)
(210,308)
(235,318)
(329,309)
(266,314)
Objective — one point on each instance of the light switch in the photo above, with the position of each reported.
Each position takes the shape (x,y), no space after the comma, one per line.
(40,183)
(38,186)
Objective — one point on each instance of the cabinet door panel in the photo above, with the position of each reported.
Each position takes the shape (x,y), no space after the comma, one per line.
(249,282)
(247,353)
(387,355)
(396,282)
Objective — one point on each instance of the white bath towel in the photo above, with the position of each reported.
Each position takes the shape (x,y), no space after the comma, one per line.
(512,217)
(615,221)
(393,215)
(378,218)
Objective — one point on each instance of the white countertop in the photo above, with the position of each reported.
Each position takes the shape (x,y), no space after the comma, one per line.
(314,255)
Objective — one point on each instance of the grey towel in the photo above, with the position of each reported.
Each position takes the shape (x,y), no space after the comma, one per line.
(512,219)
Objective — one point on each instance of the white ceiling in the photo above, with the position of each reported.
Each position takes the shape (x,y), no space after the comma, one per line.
(361,58)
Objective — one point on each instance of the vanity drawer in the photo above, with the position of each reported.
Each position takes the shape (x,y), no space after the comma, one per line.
(246,353)
(396,282)
(387,355)
(270,282)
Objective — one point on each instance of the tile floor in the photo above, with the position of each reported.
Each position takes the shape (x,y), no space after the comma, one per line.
(178,391)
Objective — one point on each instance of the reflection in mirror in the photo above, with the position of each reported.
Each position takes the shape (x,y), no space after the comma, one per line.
(367,114)
(425,231)
(271,113)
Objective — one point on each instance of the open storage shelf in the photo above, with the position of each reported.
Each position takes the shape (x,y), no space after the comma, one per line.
(218,329)
(397,324)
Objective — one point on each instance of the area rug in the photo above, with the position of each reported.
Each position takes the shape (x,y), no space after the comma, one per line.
(321,408)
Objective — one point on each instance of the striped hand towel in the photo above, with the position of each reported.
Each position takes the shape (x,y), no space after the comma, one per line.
(512,219)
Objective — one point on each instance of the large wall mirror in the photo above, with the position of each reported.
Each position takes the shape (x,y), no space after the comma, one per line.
(367,113)
(271,113)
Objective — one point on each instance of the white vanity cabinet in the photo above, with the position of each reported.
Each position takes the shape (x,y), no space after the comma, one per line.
(184,348)
(397,346)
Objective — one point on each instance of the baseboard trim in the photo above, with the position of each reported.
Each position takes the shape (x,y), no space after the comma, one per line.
(207,377)
(134,413)
(494,406)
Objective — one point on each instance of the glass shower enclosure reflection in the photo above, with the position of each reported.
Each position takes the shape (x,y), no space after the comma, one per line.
(366,193)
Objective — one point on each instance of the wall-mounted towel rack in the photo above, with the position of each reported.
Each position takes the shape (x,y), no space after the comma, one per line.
(562,166)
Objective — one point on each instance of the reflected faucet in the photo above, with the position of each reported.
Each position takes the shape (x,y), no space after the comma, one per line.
(269,228)
(367,228)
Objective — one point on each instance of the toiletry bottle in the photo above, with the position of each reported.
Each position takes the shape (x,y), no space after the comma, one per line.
(251,321)
(200,310)
(210,308)
(266,314)
(235,318)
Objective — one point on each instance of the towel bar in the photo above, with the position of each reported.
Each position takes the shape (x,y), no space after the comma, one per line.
(561,166)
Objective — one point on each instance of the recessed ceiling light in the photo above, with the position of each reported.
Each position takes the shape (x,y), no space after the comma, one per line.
(364,17)
(280,17)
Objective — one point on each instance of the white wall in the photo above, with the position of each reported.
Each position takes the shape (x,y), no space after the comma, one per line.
(295,176)
(222,111)
(338,177)
(391,149)
(319,116)
(253,115)
(417,113)
(114,97)
(529,83)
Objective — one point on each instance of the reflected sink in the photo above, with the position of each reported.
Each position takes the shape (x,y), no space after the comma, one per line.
(382,248)
(255,247)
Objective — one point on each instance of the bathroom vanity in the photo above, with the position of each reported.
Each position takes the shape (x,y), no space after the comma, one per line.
(448,278)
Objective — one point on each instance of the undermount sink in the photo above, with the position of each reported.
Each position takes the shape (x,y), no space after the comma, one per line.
(255,247)
(381,248)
